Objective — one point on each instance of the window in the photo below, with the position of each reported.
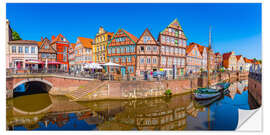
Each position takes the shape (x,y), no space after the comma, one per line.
(113,50)
(43,55)
(20,49)
(148,61)
(169,61)
(129,59)
(116,59)
(163,38)
(146,39)
(180,42)
(170,30)
(123,59)
(118,50)
(142,48)
(130,69)
(148,48)
(176,33)
(163,60)
(184,43)
(168,39)
(127,49)
(46,47)
(172,40)
(142,61)
(154,61)
(154,48)
(174,61)
(167,49)
(171,50)
(122,50)
(162,49)
(176,50)
(176,42)
(13,49)
(109,51)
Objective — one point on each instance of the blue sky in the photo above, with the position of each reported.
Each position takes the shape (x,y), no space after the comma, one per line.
(235,26)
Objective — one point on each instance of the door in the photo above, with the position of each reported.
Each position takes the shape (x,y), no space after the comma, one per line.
(123,71)
(182,71)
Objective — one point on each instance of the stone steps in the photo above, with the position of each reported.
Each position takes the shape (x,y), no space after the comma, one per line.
(85,90)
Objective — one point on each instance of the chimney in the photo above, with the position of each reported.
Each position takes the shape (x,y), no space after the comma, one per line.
(53,37)
(41,39)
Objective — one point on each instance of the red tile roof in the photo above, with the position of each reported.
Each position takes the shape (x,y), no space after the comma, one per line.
(86,42)
(226,57)
(238,57)
(58,38)
(200,47)
(217,54)
(190,47)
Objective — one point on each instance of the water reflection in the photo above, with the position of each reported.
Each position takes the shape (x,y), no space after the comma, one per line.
(176,113)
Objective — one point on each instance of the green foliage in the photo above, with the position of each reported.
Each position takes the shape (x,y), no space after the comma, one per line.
(15,35)
(168,92)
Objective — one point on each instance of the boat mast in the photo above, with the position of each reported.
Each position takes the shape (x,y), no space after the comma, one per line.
(208,58)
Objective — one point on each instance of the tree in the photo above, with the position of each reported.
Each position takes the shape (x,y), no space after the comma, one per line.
(15,35)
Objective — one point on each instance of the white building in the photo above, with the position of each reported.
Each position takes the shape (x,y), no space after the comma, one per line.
(240,63)
(22,53)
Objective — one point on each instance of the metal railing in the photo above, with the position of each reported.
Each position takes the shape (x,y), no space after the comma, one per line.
(112,76)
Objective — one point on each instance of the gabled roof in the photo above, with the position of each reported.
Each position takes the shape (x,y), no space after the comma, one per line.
(190,47)
(58,38)
(248,60)
(86,42)
(145,32)
(132,37)
(175,24)
(238,57)
(200,47)
(226,56)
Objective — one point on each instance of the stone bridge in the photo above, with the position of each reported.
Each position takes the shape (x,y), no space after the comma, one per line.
(54,81)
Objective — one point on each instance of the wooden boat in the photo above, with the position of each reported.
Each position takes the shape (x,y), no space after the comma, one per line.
(201,94)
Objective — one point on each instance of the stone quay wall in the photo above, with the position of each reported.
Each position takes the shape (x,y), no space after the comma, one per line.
(255,87)
(120,89)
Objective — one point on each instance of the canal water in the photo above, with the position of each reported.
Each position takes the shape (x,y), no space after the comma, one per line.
(181,112)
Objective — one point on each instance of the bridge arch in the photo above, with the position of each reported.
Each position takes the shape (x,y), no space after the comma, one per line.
(31,80)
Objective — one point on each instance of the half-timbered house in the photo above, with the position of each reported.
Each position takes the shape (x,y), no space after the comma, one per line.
(47,54)
(147,53)
(173,49)
(122,50)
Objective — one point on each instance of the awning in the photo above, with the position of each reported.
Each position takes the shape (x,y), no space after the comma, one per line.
(34,62)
